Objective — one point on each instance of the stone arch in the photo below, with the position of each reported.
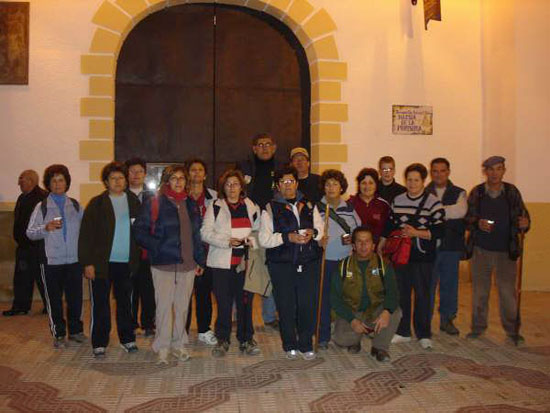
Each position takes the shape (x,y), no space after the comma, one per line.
(314,28)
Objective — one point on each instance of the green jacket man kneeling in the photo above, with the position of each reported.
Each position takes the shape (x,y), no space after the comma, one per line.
(364,298)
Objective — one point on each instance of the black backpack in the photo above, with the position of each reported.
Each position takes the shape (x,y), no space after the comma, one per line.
(44,206)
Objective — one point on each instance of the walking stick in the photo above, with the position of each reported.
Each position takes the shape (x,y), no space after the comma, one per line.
(321,282)
(518,286)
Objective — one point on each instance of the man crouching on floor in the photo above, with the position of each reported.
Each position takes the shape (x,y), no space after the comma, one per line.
(364,298)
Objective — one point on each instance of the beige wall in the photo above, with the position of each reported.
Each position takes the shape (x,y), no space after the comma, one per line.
(483,69)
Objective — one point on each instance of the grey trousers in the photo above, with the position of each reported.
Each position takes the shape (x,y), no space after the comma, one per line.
(173,290)
(344,335)
(483,264)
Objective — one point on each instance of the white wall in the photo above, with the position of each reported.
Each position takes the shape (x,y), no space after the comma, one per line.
(391,58)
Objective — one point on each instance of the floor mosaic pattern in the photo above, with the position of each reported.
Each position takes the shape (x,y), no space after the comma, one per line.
(458,375)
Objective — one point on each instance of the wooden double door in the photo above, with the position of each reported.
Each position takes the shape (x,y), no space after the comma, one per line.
(200,80)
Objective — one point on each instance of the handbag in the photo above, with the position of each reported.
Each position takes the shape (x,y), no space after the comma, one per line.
(398,247)
(256,278)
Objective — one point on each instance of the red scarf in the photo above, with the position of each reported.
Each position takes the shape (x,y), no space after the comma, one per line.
(176,196)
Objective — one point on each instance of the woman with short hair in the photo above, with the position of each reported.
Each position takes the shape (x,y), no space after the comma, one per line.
(419,216)
(109,255)
(290,228)
(337,240)
(373,210)
(168,228)
(56,221)
(227,227)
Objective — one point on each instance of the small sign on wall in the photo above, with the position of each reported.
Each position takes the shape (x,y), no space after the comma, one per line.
(412,120)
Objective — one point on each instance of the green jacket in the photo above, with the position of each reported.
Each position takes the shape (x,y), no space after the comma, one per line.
(97,231)
(354,291)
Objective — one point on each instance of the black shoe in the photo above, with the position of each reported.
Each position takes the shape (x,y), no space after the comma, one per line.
(323,345)
(149,332)
(12,312)
(354,349)
(516,339)
(273,324)
(249,347)
(78,337)
(380,355)
(473,335)
(44,311)
(221,348)
(449,328)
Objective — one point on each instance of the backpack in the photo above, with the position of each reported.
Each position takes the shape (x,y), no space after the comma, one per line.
(44,206)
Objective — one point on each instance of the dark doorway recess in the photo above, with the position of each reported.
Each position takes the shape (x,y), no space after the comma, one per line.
(202,79)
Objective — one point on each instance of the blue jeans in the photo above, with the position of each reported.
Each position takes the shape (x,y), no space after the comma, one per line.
(324,330)
(269,311)
(446,273)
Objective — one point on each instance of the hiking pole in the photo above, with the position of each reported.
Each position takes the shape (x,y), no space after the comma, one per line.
(519,281)
(321,281)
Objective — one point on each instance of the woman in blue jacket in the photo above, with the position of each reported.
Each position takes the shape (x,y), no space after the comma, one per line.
(56,221)
(168,227)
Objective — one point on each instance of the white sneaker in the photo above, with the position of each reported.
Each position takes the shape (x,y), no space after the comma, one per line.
(208,338)
(400,339)
(309,355)
(163,356)
(425,343)
(180,354)
(292,354)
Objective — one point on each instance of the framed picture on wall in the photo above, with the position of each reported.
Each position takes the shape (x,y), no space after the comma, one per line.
(14,43)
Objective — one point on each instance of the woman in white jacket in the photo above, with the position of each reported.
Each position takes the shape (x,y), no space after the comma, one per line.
(227,227)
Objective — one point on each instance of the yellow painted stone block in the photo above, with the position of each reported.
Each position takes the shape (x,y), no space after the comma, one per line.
(326,132)
(102,129)
(100,107)
(328,71)
(102,86)
(232,2)
(299,10)
(104,41)
(96,150)
(329,112)
(537,249)
(303,38)
(278,14)
(95,170)
(97,65)
(331,153)
(256,5)
(132,7)
(153,2)
(324,48)
(280,5)
(319,24)
(319,168)
(7,206)
(111,17)
(88,191)
(322,91)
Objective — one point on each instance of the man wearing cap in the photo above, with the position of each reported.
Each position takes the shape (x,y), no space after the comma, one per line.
(496,216)
(308,183)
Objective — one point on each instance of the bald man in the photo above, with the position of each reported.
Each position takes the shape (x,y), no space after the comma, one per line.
(27,268)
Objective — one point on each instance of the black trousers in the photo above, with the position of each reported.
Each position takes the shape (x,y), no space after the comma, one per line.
(203,302)
(119,278)
(27,272)
(228,287)
(144,292)
(415,276)
(58,280)
(295,298)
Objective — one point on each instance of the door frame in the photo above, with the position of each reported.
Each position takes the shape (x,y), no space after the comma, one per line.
(313,27)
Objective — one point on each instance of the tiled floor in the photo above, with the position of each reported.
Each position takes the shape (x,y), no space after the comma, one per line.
(486,375)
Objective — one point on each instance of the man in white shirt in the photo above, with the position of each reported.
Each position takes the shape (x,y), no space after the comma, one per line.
(452,244)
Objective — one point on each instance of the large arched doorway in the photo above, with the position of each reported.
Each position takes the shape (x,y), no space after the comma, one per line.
(202,79)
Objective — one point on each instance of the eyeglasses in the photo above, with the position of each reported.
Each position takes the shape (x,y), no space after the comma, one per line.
(177,179)
(264,145)
(387,169)
(287,181)
(232,184)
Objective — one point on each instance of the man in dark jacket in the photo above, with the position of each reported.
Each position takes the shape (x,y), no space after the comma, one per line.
(109,254)
(451,248)
(142,281)
(27,267)
(258,174)
(388,188)
(496,216)
(308,183)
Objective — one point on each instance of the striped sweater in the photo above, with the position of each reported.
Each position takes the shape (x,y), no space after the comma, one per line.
(431,217)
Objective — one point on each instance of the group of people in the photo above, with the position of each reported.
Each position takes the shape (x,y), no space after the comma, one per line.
(156,249)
